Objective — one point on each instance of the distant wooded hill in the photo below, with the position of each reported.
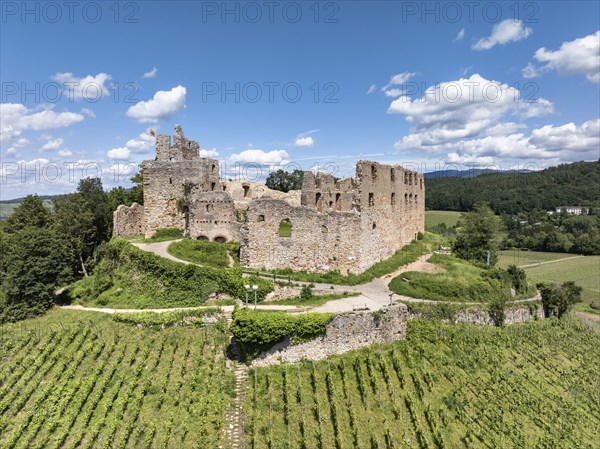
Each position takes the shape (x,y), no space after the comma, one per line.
(576,184)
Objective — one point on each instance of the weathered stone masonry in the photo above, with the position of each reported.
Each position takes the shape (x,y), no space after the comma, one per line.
(346,225)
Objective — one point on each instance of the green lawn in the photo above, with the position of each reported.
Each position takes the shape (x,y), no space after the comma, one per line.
(584,271)
(436,217)
(201,252)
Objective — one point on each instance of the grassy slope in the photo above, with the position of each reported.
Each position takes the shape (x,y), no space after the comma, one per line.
(462,282)
(211,254)
(103,384)
(585,271)
(436,217)
(524,386)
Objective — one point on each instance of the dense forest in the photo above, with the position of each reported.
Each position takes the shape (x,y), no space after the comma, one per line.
(576,184)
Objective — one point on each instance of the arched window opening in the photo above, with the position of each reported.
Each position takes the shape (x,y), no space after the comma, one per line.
(261,218)
(373,172)
(220,239)
(393,199)
(285,228)
(371,199)
(246,190)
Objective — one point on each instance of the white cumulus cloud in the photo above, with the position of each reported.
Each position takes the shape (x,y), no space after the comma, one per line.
(211,154)
(260,157)
(304,142)
(52,144)
(65,154)
(119,154)
(508,30)
(372,88)
(16,118)
(163,106)
(580,56)
(142,143)
(89,87)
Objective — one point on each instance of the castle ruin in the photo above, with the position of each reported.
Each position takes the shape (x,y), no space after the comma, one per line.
(346,225)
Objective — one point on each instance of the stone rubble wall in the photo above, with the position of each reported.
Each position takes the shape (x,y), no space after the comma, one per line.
(347,331)
(346,225)
(128,220)
(514,315)
(320,242)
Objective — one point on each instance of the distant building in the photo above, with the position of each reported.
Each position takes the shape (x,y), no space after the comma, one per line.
(572,210)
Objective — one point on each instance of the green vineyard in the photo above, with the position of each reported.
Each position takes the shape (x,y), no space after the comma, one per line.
(101,384)
(524,386)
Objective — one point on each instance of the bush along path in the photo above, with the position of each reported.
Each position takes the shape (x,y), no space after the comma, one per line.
(234,419)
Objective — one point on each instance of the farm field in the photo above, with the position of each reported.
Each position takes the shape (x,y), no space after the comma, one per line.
(583,270)
(523,386)
(436,217)
(6,209)
(73,381)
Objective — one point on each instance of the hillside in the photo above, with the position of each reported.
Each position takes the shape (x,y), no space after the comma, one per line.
(510,193)
(524,386)
(73,381)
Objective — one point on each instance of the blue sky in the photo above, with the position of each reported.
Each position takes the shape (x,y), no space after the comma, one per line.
(321,85)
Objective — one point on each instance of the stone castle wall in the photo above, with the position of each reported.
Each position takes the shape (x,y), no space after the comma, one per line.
(128,220)
(346,225)
(392,209)
(347,331)
(212,216)
(319,242)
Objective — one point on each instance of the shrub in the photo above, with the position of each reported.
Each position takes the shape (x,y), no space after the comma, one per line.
(166,319)
(306,293)
(257,331)
(558,299)
(146,280)
(497,310)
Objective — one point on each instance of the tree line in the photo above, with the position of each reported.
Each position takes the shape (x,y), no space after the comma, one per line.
(44,248)
(576,184)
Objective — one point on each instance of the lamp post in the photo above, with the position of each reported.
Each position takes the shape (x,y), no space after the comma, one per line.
(255,288)
(247,288)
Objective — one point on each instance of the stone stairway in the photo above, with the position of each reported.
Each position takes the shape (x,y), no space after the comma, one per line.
(234,419)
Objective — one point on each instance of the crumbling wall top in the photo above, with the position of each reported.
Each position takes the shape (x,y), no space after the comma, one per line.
(180,149)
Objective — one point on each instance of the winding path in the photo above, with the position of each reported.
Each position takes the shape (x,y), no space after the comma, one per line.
(372,295)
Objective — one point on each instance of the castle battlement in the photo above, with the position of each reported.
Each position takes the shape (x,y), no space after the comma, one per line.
(182,149)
